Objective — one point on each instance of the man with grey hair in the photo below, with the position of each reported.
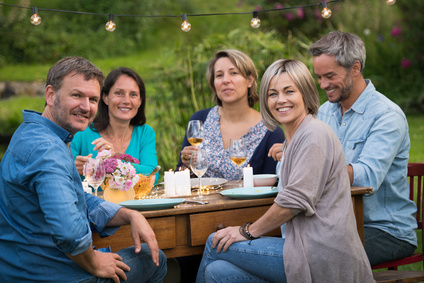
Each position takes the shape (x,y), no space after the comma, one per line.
(374,134)
(46,218)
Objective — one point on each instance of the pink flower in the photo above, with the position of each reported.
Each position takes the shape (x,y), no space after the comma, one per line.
(120,173)
(258,8)
(289,16)
(278,6)
(300,13)
(396,32)
(405,63)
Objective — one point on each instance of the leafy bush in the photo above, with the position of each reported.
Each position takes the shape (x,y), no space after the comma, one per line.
(11,111)
(392,35)
(65,34)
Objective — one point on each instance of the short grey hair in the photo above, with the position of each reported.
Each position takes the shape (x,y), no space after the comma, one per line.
(76,65)
(303,80)
(346,47)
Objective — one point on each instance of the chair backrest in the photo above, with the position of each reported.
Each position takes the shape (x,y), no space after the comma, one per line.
(416,187)
(416,179)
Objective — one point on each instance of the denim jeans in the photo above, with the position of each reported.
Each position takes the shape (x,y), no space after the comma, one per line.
(260,260)
(142,267)
(380,246)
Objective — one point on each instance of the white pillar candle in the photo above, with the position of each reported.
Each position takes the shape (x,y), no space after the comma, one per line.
(187,184)
(248,177)
(179,183)
(169,180)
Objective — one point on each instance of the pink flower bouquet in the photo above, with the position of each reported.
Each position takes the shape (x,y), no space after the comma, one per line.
(120,173)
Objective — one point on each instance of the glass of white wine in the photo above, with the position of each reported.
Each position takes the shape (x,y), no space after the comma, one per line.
(195,132)
(94,173)
(199,165)
(238,155)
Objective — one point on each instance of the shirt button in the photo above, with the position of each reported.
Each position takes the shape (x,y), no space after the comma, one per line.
(344,124)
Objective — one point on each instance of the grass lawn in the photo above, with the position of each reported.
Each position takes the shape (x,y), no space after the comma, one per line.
(416,134)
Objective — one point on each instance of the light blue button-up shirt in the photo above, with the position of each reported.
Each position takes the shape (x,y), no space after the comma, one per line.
(44,212)
(375,140)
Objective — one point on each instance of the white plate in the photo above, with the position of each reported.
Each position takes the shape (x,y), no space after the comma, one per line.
(194,182)
(250,193)
(152,204)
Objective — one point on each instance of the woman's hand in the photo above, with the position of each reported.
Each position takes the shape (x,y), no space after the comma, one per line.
(276,151)
(224,238)
(80,161)
(186,154)
(102,144)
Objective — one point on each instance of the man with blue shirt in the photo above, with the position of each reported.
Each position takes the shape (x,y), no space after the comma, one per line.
(46,218)
(374,134)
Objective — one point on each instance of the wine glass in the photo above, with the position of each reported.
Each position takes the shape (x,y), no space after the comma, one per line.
(94,173)
(199,165)
(238,155)
(195,132)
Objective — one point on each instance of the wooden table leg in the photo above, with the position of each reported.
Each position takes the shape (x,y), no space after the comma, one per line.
(358,209)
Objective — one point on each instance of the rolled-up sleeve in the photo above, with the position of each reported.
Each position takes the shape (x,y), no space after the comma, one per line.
(100,212)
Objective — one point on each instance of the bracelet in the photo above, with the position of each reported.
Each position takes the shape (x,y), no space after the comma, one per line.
(244,231)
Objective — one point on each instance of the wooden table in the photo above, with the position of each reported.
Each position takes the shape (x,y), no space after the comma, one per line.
(183,231)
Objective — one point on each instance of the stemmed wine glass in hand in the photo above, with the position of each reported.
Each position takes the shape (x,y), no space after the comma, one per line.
(238,155)
(195,132)
(199,165)
(94,173)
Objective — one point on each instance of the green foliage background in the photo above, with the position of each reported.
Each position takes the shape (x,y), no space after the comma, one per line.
(173,63)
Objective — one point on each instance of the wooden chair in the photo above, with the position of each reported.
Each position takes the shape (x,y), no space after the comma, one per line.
(416,177)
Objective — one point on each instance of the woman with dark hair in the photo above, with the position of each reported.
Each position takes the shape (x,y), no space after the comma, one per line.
(120,123)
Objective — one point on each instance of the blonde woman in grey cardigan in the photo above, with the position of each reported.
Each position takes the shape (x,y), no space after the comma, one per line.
(321,242)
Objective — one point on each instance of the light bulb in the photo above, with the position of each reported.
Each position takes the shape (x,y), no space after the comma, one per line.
(35,18)
(185,25)
(325,13)
(391,2)
(110,25)
(255,22)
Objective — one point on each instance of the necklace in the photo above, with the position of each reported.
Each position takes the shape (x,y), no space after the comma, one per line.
(120,144)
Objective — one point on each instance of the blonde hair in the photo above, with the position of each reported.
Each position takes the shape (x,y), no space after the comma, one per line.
(246,67)
(303,80)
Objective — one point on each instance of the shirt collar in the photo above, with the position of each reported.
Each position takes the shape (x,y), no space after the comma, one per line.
(361,103)
(31,116)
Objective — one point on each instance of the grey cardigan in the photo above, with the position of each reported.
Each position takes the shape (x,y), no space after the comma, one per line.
(322,243)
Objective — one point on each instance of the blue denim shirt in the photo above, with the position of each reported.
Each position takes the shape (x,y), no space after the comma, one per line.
(375,140)
(44,212)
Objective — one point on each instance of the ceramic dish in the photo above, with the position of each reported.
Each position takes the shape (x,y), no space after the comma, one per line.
(194,182)
(261,180)
(152,204)
(250,193)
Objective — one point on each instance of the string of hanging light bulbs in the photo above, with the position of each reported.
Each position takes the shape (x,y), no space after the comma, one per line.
(185,25)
